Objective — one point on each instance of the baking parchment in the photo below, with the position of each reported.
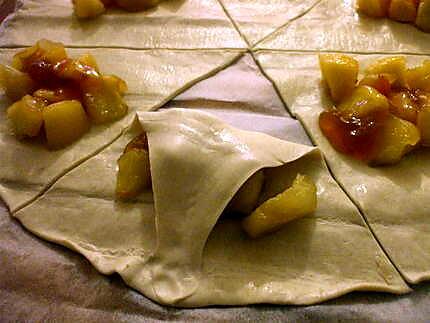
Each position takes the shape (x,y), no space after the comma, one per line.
(40,281)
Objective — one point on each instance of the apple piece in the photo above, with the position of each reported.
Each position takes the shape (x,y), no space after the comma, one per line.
(295,202)
(246,198)
(89,60)
(381,82)
(340,72)
(419,77)
(423,124)
(365,100)
(402,10)
(423,15)
(373,8)
(103,101)
(59,94)
(395,65)
(405,105)
(134,173)
(65,122)
(136,5)
(15,83)
(88,8)
(116,82)
(397,138)
(26,116)
(44,50)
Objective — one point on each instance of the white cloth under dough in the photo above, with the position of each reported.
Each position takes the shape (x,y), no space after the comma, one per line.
(394,199)
(174,249)
(153,77)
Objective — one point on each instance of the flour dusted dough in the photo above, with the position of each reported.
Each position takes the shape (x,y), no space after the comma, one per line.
(394,199)
(257,19)
(153,77)
(173,24)
(175,251)
(334,25)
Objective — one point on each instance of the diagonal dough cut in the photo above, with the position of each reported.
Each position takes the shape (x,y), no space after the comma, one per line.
(257,19)
(183,255)
(394,199)
(183,24)
(334,25)
(27,169)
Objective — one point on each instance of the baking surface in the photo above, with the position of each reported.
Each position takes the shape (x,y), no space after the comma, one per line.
(40,281)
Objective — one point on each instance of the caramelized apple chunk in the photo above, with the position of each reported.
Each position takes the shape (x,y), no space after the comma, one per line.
(381,82)
(423,15)
(419,77)
(405,104)
(26,116)
(65,122)
(423,124)
(246,199)
(103,101)
(340,72)
(397,138)
(403,10)
(373,8)
(88,8)
(395,66)
(134,173)
(295,202)
(15,83)
(136,5)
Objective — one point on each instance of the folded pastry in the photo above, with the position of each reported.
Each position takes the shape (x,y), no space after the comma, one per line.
(393,199)
(28,168)
(189,24)
(171,245)
(335,25)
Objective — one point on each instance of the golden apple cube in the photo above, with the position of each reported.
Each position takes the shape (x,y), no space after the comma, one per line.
(398,137)
(89,60)
(295,202)
(88,8)
(423,15)
(26,117)
(246,198)
(134,174)
(419,77)
(373,8)
(423,124)
(52,52)
(65,122)
(363,101)
(103,101)
(15,83)
(402,10)
(340,72)
(395,65)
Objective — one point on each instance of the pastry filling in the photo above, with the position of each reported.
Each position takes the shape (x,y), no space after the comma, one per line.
(94,8)
(57,97)
(381,117)
(416,12)
(134,176)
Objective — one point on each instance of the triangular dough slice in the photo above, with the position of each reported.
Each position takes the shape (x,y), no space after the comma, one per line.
(394,199)
(257,19)
(172,24)
(334,25)
(153,77)
(181,256)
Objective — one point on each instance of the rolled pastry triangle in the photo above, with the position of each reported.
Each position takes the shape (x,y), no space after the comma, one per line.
(173,24)
(176,251)
(153,78)
(257,19)
(394,199)
(335,25)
